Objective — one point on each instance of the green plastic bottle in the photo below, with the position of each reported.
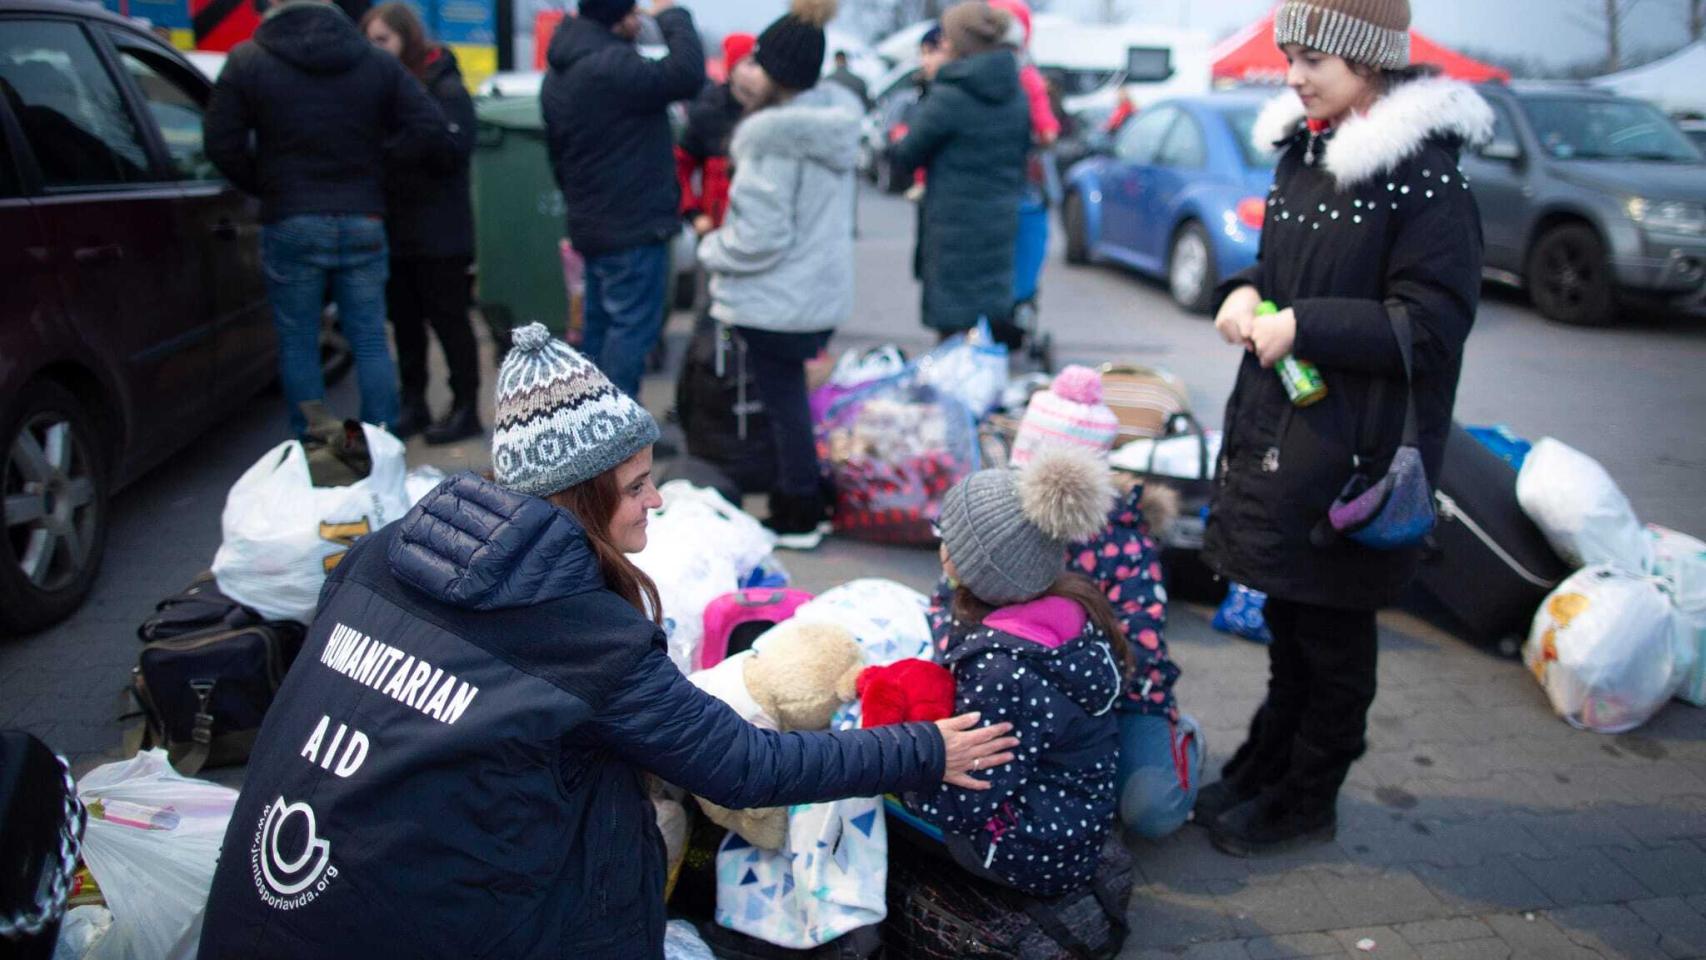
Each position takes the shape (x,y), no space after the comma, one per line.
(1303,383)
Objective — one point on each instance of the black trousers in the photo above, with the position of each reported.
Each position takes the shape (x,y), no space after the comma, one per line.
(778,363)
(1314,723)
(433,291)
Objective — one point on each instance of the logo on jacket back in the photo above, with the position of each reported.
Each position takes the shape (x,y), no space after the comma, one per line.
(291,865)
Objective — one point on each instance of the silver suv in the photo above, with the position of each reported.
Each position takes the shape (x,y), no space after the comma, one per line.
(1588,199)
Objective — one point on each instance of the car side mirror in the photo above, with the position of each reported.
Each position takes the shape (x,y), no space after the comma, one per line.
(1507,151)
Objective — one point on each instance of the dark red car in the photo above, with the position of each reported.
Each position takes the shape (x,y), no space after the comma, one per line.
(132,303)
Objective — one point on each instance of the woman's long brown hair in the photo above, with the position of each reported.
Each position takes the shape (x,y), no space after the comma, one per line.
(593,503)
(1071,586)
(406,24)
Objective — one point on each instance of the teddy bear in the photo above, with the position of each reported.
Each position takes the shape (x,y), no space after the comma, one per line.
(795,677)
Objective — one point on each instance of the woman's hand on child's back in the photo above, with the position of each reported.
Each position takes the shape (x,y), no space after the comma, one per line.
(971,748)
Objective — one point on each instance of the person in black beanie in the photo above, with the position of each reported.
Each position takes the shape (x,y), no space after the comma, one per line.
(608,136)
(781,266)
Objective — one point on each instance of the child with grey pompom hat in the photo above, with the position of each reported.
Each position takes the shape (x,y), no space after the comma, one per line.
(1041,648)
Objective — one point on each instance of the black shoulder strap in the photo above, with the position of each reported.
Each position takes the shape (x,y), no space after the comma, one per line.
(1399,315)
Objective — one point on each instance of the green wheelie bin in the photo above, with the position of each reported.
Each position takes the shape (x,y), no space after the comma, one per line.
(518,220)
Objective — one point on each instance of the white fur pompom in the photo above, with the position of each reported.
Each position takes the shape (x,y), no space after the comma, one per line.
(1067,494)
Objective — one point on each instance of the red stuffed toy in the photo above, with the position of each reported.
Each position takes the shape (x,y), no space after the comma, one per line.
(904,692)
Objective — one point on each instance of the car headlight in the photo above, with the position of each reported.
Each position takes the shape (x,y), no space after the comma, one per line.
(1667,216)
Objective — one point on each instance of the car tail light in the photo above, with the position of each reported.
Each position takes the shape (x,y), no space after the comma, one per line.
(1250,212)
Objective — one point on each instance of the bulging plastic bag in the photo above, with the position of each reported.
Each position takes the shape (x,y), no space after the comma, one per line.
(282,534)
(698,548)
(421,481)
(1580,509)
(894,449)
(1681,560)
(1606,648)
(971,367)
(152,843)
(828,881)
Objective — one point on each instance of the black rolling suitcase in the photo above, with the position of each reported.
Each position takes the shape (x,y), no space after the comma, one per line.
(1488,566)
(720,413)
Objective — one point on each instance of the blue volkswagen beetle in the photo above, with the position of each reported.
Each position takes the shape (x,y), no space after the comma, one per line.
(1179,196)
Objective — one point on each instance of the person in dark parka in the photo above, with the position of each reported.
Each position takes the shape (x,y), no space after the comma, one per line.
(608,135)
(972,133)
(455,765)
(1369,215)
(429,217)
(303,116)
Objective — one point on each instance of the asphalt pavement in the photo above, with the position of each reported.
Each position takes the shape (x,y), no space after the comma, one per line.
(1479,825)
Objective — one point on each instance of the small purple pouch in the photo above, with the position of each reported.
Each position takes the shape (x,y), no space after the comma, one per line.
(1397,510)
(1394,512)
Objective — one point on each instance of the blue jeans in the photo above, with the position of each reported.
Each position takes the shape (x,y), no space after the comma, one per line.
(624,311)
(1160,772)
(301,255)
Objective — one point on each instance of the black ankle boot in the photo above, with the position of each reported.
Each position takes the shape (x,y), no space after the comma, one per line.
(1274,822)
(414,417)
(1219,797)
(461,423)
(796,520)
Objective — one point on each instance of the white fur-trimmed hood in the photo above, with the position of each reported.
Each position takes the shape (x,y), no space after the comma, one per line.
(1374,144)
(815,126)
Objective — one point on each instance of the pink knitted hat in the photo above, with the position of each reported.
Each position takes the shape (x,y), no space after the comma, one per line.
(1069,413)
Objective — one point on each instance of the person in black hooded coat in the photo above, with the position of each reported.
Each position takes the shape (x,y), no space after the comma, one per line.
(429,216)
(1369,216)
(972,133)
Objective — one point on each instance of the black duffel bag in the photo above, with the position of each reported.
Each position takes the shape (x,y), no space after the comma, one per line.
(720,411)
(41,832)
(204,682)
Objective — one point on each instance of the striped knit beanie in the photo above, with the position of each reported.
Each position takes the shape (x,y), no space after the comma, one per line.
(1070,413)
(561,421)
(1372,32)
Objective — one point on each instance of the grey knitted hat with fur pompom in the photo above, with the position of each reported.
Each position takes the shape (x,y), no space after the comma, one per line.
(1007,530)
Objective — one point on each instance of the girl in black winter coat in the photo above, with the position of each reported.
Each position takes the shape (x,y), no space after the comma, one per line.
(429,221)
(1040,648)
(1369,216)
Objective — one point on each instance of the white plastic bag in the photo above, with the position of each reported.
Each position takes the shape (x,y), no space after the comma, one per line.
(1179,456)
(1606,648)
(681,942)
(151,843)
(282,534)
(827,882)
(421,481)
(81,931)
(970,367)
(1580,509)
(1681,560)
(698,547)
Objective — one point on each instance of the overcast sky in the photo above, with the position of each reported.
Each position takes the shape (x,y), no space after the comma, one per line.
(1535,28)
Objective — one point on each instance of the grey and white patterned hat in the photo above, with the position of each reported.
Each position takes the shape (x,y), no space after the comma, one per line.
(560,421)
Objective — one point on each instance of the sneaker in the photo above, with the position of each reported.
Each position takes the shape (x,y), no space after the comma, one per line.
(1270,824)
(805,540)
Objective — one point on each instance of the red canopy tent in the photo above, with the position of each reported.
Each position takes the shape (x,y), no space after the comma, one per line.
(1250,56)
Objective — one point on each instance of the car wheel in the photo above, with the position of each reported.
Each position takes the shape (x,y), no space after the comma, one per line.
(54,510)
(1569,277)
(1190,269)
(1077,238)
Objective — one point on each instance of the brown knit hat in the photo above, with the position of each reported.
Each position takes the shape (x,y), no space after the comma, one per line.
(974,27)
(1372,32)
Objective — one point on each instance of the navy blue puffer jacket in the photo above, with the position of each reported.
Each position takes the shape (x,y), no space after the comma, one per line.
(453,767)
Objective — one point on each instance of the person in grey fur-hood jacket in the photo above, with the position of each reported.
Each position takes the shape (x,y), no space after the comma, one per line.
(1371,229)
(781,265)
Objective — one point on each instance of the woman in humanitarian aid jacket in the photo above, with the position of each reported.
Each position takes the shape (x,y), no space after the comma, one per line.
(1368,217)
(454,766)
